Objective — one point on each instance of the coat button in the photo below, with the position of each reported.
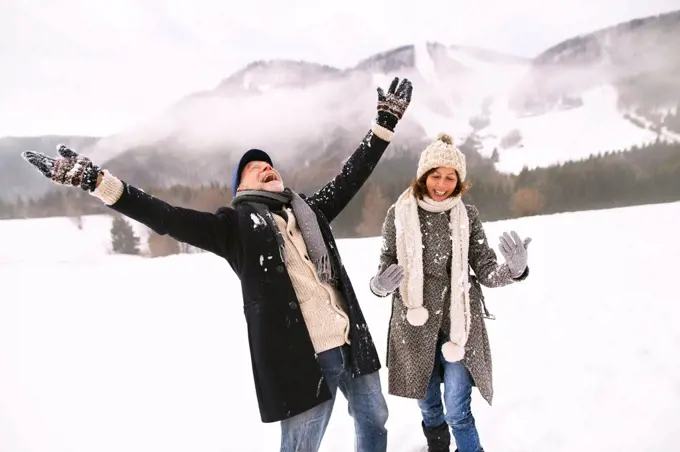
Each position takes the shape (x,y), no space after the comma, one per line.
(279,268)
(293,305)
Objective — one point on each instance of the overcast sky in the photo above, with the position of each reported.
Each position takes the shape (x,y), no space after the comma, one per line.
(90,67)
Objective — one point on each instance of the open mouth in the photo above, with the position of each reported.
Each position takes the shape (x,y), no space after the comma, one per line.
(268,178)
(439,193)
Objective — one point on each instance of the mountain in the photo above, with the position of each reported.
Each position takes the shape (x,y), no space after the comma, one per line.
(639,58)
(607,90)
(257,77)
(305,110)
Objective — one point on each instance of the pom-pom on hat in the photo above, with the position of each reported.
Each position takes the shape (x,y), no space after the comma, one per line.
(442,152)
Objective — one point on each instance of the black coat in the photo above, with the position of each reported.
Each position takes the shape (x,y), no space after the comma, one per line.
(288,379)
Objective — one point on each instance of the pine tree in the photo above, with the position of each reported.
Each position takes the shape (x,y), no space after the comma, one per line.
(123,238)
(494,156)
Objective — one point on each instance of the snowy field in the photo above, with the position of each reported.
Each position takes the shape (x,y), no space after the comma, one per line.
(112,353)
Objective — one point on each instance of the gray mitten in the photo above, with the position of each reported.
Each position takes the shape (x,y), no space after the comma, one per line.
(515,252)
(387,280)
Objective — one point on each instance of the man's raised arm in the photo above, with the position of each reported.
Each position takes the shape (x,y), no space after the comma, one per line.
(212,232)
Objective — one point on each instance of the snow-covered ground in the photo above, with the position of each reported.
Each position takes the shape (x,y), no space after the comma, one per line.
(113,353)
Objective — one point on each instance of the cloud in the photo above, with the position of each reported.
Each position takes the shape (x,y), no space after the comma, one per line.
(78,66)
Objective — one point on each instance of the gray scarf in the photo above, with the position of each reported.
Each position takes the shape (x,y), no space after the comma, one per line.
(266,202)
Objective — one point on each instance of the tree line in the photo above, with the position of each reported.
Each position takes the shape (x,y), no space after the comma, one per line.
(640,175)
(635,176)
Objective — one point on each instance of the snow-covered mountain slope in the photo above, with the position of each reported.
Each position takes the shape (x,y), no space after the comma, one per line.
(116,353)
(563,134)
(565,92)
(453,85)
(304,102)
(640,58)
(608,90)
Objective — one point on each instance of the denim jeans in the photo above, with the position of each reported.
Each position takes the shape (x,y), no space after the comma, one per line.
(303,433)
(457,399)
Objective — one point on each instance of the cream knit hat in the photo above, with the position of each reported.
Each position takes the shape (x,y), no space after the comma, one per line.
(442,152)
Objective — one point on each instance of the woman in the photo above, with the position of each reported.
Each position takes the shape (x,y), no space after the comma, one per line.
(431,241)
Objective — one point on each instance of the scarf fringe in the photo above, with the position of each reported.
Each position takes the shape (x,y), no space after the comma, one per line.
(307,221)
(324,269)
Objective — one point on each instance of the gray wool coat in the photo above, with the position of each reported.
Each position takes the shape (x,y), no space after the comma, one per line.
(411,349)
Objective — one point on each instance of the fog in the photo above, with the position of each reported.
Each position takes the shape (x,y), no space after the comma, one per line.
(210,123)
(280,106)
(293,109)
(639,59)
(278,115)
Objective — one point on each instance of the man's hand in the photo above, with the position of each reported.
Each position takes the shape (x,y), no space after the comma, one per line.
(68,168)
(391,106)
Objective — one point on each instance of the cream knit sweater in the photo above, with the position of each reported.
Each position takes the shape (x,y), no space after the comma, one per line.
(322,306)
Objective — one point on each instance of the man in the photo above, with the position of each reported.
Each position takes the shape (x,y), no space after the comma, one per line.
(306,332)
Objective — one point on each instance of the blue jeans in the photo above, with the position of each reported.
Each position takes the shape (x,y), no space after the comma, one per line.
(303,433)
(457,399)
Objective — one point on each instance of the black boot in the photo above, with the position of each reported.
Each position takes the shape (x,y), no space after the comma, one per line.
(438,438)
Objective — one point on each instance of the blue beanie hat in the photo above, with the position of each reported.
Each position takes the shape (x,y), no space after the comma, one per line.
(250,156)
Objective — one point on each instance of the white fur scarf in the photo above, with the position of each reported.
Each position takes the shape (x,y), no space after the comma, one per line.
(410,256)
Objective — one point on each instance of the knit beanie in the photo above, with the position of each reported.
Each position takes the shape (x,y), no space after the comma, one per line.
(250,156)
(442,152)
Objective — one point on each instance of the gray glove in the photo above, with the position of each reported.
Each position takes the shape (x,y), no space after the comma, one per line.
(515,252)
(387,280)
